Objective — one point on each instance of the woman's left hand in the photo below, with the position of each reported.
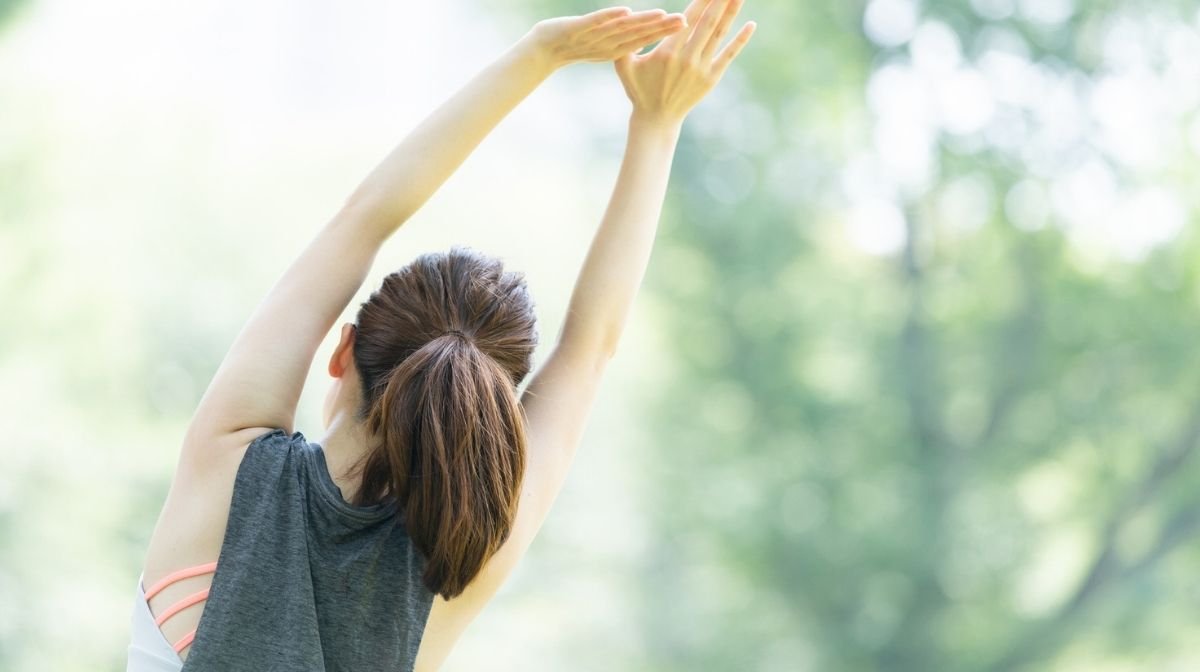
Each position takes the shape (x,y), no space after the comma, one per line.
(602,35)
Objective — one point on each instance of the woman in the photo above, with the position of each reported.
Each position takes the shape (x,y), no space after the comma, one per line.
(375,547)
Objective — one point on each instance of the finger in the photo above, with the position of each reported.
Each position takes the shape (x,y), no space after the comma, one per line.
(633,20)
(643,38)
(723,24)
(673,20)
(624,66)
(694,9)
(622,20)
(691,14)
(731,50)
(670,22)
(704,28)
(603,15)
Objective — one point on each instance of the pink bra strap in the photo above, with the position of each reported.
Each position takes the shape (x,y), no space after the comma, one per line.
(184,641)
(181,605)
(180,575)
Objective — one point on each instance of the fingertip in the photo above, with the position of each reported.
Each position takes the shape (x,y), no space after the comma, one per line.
(673,21)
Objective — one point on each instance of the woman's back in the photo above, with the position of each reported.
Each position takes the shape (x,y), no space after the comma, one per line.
(314,582)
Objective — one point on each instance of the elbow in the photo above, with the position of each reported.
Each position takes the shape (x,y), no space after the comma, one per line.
(371,215)
(598,347)
(608,345)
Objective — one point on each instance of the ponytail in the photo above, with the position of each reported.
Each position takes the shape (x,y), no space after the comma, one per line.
(451,451)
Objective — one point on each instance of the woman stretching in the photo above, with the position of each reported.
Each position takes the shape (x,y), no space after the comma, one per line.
(374,548)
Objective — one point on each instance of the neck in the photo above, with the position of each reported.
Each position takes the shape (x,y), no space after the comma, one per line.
(344,444)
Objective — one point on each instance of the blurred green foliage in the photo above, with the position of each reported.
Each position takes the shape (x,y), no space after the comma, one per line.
(8,8)
(973,450)
(926,288)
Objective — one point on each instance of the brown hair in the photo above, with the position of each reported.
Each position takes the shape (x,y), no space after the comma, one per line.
(441,347)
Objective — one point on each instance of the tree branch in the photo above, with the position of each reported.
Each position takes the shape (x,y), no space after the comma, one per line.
(1014,360)
(1043,637)
(910,645)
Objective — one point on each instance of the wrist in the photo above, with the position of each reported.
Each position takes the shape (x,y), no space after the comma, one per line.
(655,123)
(534,49)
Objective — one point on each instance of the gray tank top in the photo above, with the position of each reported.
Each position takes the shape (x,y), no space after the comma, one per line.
(305,581)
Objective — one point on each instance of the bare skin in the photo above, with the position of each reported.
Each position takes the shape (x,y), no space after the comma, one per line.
(258,385)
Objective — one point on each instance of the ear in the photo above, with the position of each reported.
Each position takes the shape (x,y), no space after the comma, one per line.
(343,354)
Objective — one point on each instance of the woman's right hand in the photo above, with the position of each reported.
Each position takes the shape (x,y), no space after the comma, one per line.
(601,35)
(667,82)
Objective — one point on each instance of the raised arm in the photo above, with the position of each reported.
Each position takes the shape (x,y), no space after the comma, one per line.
(258,385)
(415,169)
(663,85)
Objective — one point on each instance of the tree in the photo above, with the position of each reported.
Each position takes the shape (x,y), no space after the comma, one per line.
(932,306)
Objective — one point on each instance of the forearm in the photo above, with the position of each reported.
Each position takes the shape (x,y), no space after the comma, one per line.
(418,166)
(616,261)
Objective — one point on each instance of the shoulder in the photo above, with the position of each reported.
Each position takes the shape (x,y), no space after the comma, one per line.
(205,486)
(220,456)
(194,517)
(272,445)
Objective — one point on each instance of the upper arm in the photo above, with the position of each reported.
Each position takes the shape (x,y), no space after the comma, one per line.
(259,382)
(557,403)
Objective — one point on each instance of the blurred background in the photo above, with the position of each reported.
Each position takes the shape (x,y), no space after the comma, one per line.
(910,384)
